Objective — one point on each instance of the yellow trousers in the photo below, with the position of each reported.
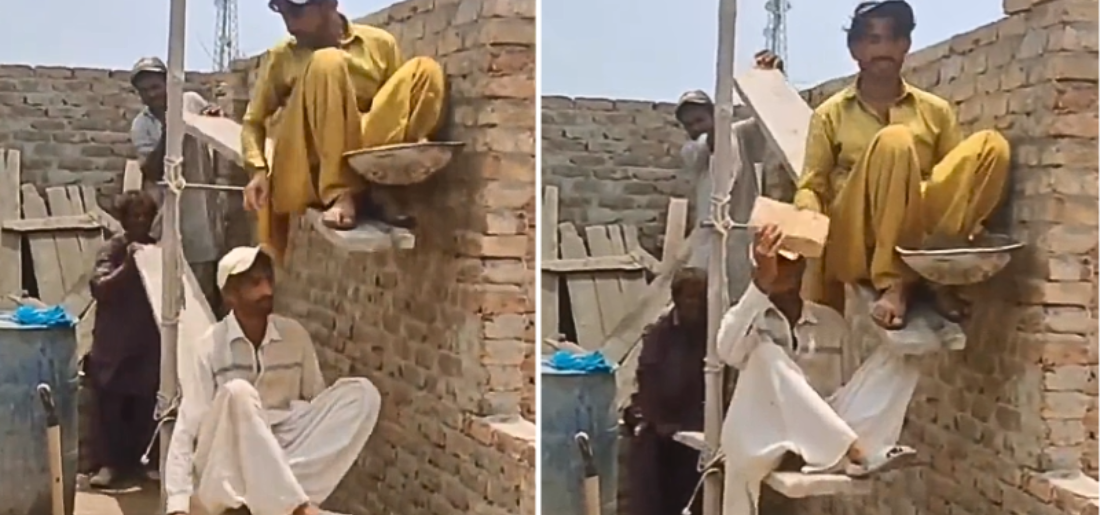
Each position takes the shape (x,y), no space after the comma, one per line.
(321,122)
(885,204)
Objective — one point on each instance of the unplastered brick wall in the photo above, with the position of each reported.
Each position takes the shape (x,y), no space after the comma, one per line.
(1008,423)
(444,330)
(72,125)
(615,161)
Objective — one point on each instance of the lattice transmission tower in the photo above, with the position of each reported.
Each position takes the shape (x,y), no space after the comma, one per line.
(775,33)
(225,34)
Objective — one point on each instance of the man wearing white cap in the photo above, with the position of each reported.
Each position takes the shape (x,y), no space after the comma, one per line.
(257,427)
(775,410)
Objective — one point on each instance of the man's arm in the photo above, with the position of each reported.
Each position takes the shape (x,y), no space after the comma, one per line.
(105,275)
(815,187)
(198,388)
(732,347)
(313,382)
(267,96)
(148,141)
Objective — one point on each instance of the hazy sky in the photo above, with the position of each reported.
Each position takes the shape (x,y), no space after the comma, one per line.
(657,49)
(643,49)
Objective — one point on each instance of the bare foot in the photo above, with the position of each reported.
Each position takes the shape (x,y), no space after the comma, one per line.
(341,214)
(855,454)
(890,308)
(307,509)
(949,305)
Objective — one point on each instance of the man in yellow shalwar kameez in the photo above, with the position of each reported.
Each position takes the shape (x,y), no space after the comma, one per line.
(340,87)
(888,164)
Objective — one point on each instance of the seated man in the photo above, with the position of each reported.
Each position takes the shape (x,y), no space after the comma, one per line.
(888,164)
(341,87)
(775,411)
(257,428)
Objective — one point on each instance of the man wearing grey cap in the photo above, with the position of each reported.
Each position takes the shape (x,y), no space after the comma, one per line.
(695,112)
(258,428)
(149,78)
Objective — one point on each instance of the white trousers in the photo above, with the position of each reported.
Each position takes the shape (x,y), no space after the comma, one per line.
(275,461)
(774,411)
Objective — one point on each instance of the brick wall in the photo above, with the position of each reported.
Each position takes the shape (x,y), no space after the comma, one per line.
(1002,420)
(445,330)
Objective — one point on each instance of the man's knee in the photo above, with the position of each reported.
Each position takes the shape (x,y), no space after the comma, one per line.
(239,390)
(993,144)
(421,65)
(895,137)
(326,61)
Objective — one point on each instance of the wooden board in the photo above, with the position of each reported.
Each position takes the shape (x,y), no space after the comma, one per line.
(90,240)
(608,291)
(634,246)
(369,236)
(222,134)
(53,223)
(618,263)
(549,316)
(583,297)
(44,256)
(795,485)
(68,243)
(632,284)
(675,228)
(11,244)
(782,115)
(131,178)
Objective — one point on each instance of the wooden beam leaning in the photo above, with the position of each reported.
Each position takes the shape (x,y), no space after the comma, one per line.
(11,244)
(549,313)
(782,115)
(624,262)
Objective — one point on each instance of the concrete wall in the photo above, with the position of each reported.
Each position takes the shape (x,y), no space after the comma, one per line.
(1005,421)
(445,330)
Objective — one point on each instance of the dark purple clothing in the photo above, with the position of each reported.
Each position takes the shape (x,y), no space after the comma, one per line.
(125,355)
(671,388)
(124,426)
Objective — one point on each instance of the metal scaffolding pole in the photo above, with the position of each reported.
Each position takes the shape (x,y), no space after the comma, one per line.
(723,174)
(171,280)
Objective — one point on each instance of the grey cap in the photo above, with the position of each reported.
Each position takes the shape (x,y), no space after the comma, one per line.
(697,97)
(148,65)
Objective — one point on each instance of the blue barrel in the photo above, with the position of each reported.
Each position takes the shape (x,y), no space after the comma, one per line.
(29,356)
(573,402)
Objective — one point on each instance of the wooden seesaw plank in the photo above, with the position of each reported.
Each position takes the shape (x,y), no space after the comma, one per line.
(780,112)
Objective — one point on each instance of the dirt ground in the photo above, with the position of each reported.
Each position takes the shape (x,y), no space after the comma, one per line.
(139,500)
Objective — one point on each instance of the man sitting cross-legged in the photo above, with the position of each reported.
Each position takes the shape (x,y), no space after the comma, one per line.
(775,411)
(257,427)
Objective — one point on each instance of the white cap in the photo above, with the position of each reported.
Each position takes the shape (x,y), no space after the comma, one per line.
(237,261)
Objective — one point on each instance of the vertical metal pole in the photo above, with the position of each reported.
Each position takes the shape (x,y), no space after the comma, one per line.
(171,280)
(723,167)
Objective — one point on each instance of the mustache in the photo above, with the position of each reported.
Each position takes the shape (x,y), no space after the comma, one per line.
(883,59)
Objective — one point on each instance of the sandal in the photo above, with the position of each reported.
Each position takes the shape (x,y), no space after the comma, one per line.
(896,457)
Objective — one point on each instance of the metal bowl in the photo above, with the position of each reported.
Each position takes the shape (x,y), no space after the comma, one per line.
(402,164)
(972,263)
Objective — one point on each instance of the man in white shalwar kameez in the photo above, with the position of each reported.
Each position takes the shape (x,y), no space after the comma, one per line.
(775,411)
(257,427)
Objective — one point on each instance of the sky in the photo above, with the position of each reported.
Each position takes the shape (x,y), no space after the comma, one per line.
(640,49)
(651,50)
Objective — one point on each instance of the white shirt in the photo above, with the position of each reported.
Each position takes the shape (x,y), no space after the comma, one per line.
(146,129)
(283,368)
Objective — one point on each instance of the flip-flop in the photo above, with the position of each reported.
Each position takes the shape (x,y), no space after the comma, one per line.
(894,458)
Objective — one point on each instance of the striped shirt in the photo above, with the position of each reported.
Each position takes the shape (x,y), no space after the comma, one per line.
(283,368)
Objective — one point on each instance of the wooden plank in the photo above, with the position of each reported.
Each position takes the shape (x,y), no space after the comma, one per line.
(132,177)
(794,485)
(371,236)
(220,133)
(632,284)
(608,292)
(675,227)
(782,115)
(625,262)
(47,263)
(11,244)
(68,244)
(634,246)
(105,220)
(53,223)
(549,315)
(582,291)
(89,240)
